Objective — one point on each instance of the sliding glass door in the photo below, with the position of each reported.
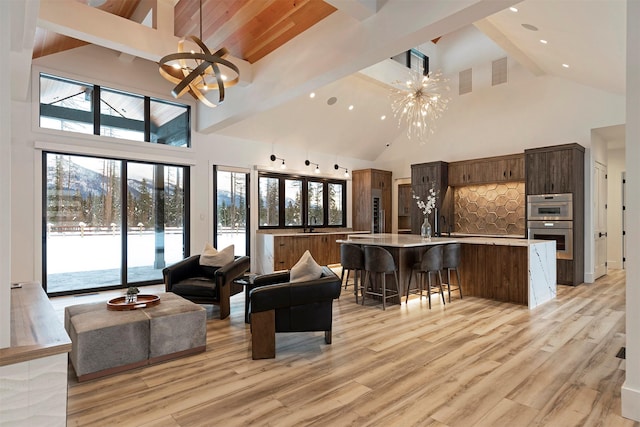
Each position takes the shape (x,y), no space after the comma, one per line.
(231,210)
(87,204)
(155,219)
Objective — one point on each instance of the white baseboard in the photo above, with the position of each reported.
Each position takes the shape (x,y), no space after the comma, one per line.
(614,265)
(630,402)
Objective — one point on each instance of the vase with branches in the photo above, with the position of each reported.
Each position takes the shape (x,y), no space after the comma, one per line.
(426,207)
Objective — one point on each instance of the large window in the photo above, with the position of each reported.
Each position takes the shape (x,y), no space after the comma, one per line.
(269,193)
(232,210)
(295,201)
(110,222)
(80,107)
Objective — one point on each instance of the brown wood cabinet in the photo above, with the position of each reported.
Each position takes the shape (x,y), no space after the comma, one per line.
(288,249)
(366,183)
(513,169)
(425,176)
(404,208)
(556,170)
(466,172)
(495,272)
(487,170)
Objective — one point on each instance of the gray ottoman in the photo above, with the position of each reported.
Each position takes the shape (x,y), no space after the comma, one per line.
(105,342)
(176,327)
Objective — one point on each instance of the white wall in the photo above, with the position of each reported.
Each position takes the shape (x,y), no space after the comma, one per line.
(5,177)
(142,77)
(631,386)
(526,112)
(615,167)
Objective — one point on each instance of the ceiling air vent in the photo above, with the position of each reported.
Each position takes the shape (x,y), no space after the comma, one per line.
(499,71)
(464,82)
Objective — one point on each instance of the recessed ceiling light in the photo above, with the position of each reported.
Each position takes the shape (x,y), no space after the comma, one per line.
(312,95)
(383,117)
(565,65)
(530,27)
(513,9)
(543,41)
(350,107)
(332,100)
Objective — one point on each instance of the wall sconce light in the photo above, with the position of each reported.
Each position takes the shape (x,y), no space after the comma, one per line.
(307,162)
(346,171)
(274,158)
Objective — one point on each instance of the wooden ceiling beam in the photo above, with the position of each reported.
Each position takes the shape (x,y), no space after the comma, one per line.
(114,32)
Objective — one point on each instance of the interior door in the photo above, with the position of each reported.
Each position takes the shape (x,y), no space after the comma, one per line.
(624,219)
(600,219)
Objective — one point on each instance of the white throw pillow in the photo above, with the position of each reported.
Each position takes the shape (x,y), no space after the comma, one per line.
(214,258)
(305,269)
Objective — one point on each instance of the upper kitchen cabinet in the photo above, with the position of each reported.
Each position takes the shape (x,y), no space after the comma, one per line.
(371,200)
(511,168)
(554,170)
(464,173)
(425,176)
(487,170)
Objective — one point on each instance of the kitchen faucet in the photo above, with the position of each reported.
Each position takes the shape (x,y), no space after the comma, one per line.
(444,224)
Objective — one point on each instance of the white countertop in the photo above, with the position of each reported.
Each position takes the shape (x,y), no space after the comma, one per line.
(499,241)
(502,236)
(396,240)
(299,233)
(413,240)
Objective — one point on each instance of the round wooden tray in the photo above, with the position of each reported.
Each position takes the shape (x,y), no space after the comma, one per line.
(144,301)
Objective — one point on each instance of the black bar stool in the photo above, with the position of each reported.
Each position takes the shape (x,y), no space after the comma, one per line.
(431,262)
(451,261)
(379,261)
(352,259)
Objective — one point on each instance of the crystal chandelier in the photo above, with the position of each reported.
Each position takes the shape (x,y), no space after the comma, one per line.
(197,72)
(418,102)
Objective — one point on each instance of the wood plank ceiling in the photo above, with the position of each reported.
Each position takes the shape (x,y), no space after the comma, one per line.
(249,29)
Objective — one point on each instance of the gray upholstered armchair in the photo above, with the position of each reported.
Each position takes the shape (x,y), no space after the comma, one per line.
(276,305)
(206,285)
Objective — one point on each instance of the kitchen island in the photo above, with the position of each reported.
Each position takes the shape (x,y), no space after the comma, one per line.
(278,250)
(521,271)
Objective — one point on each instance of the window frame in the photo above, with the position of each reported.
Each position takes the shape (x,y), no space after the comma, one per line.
(123,166)
(96,118)
(306,179)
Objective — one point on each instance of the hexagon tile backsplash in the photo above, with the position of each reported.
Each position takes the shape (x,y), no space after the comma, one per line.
(490,209)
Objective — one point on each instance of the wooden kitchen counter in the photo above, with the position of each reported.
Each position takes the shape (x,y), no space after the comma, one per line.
(279,249)
(521,271)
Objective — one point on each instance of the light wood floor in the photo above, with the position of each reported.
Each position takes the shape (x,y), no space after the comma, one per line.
(472,363)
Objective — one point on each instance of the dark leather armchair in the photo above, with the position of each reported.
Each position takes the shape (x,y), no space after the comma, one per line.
(276,305)
(206,285)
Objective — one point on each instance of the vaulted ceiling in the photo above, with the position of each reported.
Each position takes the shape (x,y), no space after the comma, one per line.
(248,29)
(293,47)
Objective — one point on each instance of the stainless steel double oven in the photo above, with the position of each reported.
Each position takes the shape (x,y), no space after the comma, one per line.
(550,217)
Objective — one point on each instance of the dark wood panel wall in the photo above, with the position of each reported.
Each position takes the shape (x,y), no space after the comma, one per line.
(495,272)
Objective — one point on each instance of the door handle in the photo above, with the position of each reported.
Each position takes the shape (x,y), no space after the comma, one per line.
(602,234)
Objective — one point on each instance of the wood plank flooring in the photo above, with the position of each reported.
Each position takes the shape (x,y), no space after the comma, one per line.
(473,362)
